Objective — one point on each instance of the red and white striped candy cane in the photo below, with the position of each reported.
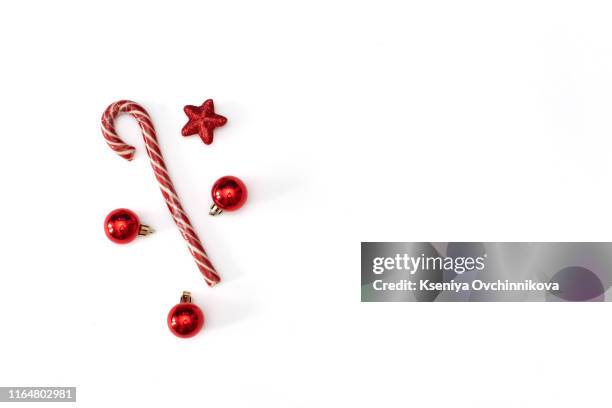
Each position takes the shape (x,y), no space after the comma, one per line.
(159,168)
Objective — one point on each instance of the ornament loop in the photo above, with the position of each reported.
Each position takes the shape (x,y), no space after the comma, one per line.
(186,297)
(215,210)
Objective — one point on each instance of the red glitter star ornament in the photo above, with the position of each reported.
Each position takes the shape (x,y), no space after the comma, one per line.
(202,120)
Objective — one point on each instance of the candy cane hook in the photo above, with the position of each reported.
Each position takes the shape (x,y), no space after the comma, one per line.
(161,173)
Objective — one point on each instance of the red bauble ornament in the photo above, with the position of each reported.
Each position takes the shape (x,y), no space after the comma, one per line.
(229,194)
(202,120)
(122,226)
(185,319)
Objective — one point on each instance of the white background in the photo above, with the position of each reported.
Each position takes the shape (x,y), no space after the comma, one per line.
(349,122)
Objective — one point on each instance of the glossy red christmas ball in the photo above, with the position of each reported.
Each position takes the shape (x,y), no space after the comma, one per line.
(185,319)
(122,226)
(229,194)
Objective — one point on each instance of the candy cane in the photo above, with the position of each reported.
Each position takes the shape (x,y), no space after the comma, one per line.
(161,173)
